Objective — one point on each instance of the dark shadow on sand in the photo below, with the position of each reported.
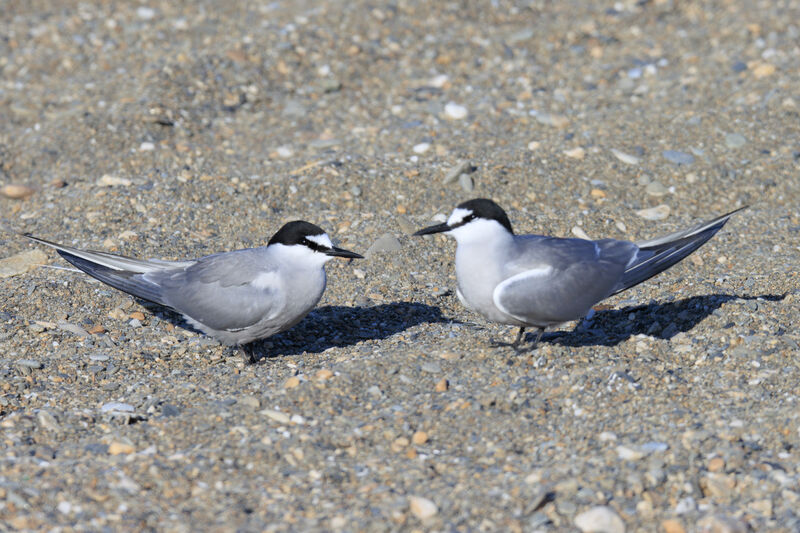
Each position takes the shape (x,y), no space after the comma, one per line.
(659,320)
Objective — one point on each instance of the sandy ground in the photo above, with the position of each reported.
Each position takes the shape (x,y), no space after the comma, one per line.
(175,130)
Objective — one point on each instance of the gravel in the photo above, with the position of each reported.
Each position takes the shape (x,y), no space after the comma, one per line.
(172,130)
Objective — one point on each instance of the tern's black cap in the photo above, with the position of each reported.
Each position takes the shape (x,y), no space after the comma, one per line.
(485,208)
(295,233)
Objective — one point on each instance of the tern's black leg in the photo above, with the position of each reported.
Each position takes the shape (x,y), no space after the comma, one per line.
(539,333)
(520,338)
(248,352)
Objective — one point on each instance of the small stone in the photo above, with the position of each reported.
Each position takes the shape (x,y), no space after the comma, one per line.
(147,147)
(717,485)
(145,13)
(629,454)
(534,145)
(385,243)
(96,330)
(557,121)
(113,181)
(137,315)
(597,193)
(72,328)
(621,226)
(291,383)
(442,385)
(625,158)
(672,525)
(575,153)
(64,507)
(735,140)
(439,81)
(284,152)
(716,464)
(419,437)
(655,188)
(117,448)
(422,508)
(48,421)
(600,519)
(660,212)
(21,263)
(763,70)
(678,158)
(466,182)
(323,374)
(116,407)
(277,416)
(454,111)
(455,171)
(421,148)
(431,368)
(607,436)
(721,524)
(579,233)
(16,191)
(28,363)
(250,401)
(118,314)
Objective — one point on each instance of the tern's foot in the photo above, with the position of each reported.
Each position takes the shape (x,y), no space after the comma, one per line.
(247,353)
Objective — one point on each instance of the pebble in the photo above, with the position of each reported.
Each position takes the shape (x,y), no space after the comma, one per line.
(629,454)
(455,171)
(575,153)
(679,158)
(277,416)
(422,508)
(145,13)
(21,262)
(763,70)
(660,212)
(117,407)
(28,363)
(147,147)
(385,243)
(534,145)
(735,140)
(291,383)
(16,191)
(672,525)
(48,421)
(624,157)
(557,121)
(716,464)
(721,524)
(120,448)
(419,438)
(284,152)
(600,519)
(72,328)
(442,385)
(323,374)
(421,148)
(454,111)
(579,233)
(655,188)
(438,81)
(466,182)
(107,180)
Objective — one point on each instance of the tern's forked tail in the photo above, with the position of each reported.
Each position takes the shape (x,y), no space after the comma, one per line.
(657,255)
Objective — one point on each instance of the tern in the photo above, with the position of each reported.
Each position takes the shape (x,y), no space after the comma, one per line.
(235,297)
(536,281)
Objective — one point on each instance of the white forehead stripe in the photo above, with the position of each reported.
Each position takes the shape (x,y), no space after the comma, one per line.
(322,239)
(459,214)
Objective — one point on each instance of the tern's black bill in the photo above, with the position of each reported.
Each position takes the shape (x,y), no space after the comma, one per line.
(341,252)
(438,228)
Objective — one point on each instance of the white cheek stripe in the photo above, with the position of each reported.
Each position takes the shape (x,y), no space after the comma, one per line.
(321,239)
(459,214)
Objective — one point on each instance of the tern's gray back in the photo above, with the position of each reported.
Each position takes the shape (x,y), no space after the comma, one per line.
(245,289)
(565,277)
